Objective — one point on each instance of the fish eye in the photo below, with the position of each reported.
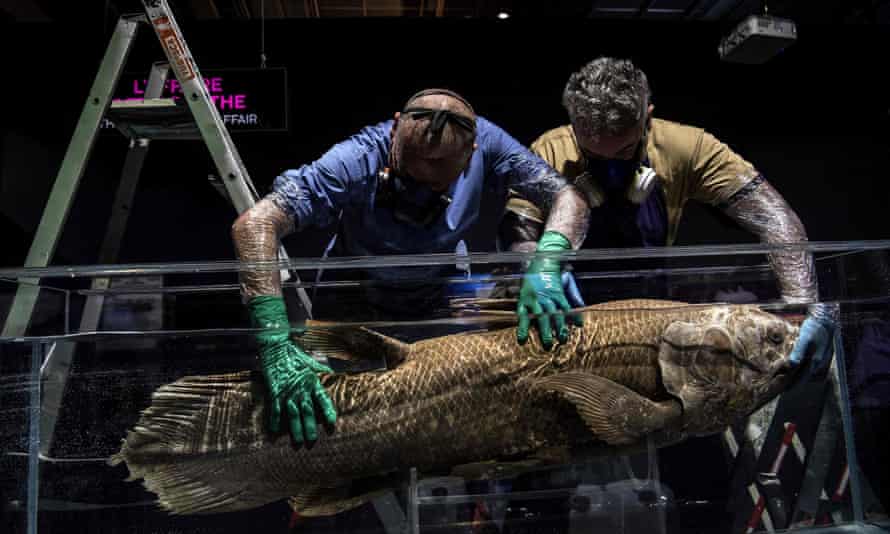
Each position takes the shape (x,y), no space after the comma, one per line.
(775,336)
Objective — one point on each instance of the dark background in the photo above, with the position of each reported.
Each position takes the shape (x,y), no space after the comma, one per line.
(813,120)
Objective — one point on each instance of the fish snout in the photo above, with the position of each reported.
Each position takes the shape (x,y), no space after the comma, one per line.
(790,341)
(785,371)
(783,366)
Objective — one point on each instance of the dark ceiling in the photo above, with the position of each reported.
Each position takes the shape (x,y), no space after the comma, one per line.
(801,11)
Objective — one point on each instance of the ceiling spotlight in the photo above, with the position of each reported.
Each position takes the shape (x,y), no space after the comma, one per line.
(503,15)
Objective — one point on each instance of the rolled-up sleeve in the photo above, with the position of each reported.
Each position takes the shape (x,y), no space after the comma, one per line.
(716,171)
(314,194)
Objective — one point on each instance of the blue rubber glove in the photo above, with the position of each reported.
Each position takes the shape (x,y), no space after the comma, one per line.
(291,374)
(542,294)
(570,287)
(814,343)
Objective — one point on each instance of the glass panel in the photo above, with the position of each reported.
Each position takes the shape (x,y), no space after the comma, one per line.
(17,391)
(33,306)
(136,328)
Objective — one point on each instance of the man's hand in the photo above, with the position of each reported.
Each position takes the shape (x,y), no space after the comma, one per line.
(814,343)
(542,294)
(291,374)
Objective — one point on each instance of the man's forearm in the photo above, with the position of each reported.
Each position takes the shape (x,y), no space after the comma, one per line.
(256,235)
(522,225)
(569,215)
(760,209)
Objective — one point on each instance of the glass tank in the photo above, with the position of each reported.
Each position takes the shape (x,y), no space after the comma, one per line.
(131,399)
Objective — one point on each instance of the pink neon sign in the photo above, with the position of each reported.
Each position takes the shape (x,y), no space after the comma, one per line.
(223,100)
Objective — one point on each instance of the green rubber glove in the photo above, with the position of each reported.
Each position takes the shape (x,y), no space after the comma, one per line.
(542,293)
(291,374)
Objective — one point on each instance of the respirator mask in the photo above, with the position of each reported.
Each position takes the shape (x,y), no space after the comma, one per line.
(604,178)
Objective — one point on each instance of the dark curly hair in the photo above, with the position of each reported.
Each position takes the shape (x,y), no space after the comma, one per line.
(607,96)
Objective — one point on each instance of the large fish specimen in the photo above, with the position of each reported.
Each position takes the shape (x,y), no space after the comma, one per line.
(635,371)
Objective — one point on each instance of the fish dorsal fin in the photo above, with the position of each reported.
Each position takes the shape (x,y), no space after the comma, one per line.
(614,413)
(353,343)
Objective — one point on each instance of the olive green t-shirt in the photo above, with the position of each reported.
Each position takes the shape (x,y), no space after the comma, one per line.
(691,163)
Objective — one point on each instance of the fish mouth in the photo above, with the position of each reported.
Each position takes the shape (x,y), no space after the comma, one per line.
(745,362)
(786,371)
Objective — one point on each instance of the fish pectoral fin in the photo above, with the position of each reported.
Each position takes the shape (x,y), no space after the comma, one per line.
(324,501)
(353,343)
(494,469)
(330,500)
(614,413)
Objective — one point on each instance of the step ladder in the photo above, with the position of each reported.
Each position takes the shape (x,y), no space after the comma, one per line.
(198,120)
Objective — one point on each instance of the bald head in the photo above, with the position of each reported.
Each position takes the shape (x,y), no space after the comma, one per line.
(433,137)
(437,117)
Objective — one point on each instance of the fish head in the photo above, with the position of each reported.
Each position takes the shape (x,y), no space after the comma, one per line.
(725,363)
(762,358)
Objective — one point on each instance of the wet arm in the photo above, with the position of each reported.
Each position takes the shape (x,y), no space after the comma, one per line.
(761,210)
(256,235)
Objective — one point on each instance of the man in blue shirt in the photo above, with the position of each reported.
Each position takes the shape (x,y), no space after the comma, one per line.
(415,184)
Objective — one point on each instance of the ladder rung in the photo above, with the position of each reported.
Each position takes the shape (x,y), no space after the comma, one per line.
(143,103)
(153,118)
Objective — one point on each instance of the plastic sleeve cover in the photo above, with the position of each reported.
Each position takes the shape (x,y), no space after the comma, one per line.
(256,235)
(761,210)
(569,216)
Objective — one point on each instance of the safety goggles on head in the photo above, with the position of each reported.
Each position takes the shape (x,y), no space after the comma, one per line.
(440,117)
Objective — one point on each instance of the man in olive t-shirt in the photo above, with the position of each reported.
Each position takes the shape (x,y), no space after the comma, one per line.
(637,173)
(689,163)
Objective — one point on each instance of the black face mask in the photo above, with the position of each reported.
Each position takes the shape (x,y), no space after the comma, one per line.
(614,174)
(409,201)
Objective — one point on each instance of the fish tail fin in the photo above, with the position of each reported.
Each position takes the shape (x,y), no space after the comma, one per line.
(194,429)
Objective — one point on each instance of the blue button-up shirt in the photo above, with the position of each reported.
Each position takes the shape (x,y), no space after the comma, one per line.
(344,180)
